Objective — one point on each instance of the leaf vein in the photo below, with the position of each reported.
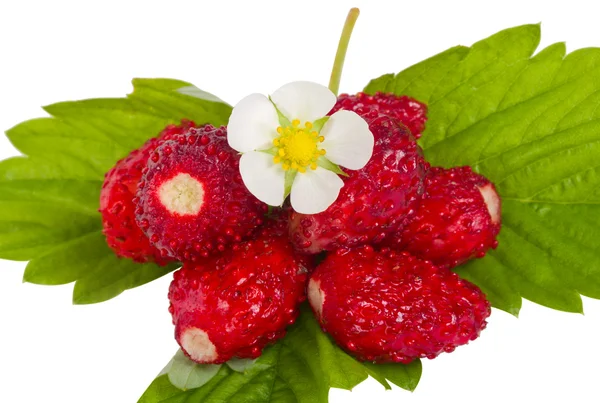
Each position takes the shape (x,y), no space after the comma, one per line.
(518,104)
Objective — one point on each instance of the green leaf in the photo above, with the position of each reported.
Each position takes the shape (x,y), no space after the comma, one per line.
(531,123)
(300,368)
(49,197)
(405,376)
(39,211)
(161,96)
(185,374)
(196,92)
(240,364)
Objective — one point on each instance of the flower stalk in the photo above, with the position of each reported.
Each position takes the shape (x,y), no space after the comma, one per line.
(340,56)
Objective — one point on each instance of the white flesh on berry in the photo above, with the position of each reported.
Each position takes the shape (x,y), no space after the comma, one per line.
(197,344)
(492,201)
(316,296)
(182,195)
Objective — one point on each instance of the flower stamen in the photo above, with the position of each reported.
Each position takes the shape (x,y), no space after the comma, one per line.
(298,147)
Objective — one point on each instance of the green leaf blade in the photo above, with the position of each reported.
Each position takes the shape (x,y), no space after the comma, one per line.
(300,368)
(49,197)
(531,125)
(162,97)
(240,364)
(185,374)
(30,228)
(68,261)
(490,275)
(412,81)
(404,376)
(114,275)
(62,145)
(114,120)
(161,390)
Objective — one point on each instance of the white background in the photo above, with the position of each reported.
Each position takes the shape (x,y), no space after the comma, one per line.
(53,51)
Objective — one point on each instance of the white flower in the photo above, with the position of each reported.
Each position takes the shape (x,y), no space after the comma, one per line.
(290,146)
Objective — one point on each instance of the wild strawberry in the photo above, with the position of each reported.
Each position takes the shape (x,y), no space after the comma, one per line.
(191,199)
(375,201)
(457,220)
(171,132)
(392,307)
(409,111)
(116,201)
(276,224)
(235,304)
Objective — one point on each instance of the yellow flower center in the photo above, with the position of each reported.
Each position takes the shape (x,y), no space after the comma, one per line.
(298,147)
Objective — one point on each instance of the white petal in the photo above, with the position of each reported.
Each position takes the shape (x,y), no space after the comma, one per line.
(252,124)
(264,179)
(348,140)
(304,100)
(314,191)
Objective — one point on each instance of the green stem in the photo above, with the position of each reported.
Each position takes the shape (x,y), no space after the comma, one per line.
(340,56)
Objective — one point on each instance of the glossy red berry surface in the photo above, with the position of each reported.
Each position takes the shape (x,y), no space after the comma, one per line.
(457,220)
(117,208)
(375,201)
(392,307)
(235,304)
(409,111)
(171,132)
(191,201)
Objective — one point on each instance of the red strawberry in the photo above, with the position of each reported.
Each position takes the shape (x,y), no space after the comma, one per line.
(191,199)
(409,111)
(392,307)
(171,132)
(116,201)
(235,304)
(375,201)
(457,220)
(277,225)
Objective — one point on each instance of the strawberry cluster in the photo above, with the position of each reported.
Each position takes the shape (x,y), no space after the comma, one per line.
(383,290)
